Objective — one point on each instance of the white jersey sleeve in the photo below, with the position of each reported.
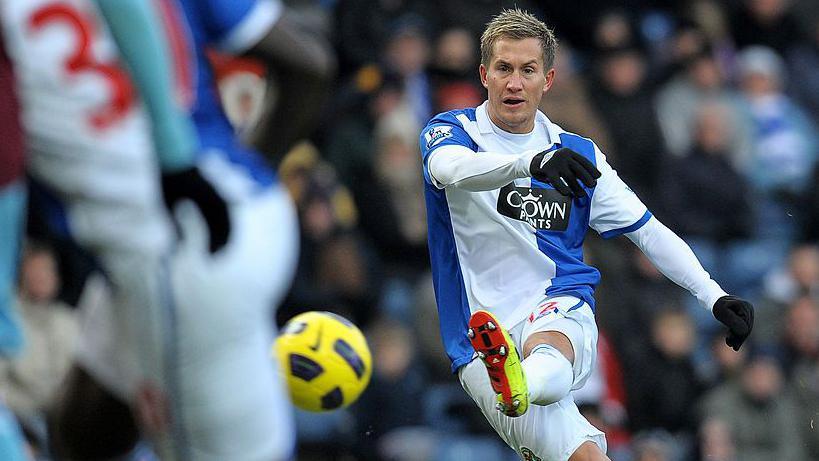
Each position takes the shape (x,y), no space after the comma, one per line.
(461,167)
(615,208)
(674,258)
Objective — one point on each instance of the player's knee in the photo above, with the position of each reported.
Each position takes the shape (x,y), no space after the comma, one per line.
(88,422)
(555,339)
(589,451)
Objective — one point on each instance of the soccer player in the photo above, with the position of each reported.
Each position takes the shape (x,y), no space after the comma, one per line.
(12,213)
(510,196)
(187,342)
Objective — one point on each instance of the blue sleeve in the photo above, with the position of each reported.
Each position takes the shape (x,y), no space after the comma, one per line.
(135,25)
(220,17)
(442,130)
(234,26)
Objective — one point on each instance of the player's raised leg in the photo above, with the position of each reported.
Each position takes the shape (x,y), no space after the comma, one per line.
(496,349)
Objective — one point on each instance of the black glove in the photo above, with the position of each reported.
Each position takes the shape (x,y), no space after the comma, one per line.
(568,165)
(189,184)
(738,315)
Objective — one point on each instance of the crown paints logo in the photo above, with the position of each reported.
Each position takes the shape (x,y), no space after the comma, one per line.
(544,209)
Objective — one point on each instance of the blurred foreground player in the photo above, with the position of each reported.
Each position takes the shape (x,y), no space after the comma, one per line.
(510,197)
(12,213)
(187,341)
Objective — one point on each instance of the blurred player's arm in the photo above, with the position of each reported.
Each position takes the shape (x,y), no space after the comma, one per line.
(135,25)
(302,67)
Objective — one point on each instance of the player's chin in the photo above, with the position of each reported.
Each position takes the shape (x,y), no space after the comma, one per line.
(516,119)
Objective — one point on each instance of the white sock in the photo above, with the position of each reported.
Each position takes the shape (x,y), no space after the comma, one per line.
(549,375)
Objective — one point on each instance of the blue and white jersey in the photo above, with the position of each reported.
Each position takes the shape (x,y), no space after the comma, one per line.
(232,26)
(504,249)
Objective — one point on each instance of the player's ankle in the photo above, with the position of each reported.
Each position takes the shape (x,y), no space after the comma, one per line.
(549,375)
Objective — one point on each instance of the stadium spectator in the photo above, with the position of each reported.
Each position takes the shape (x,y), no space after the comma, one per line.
(716,443)
(623,97)
(455,82)
(332,271)
(407,53)
(803,84)
(570,103)
(679,102)
(713,228)
(396,372)
(760,413)
(362,27)
(29,382)
(805,384)
(780,162)
(728,364)
(800,337)
(662,383)
(12,215)
(770,23)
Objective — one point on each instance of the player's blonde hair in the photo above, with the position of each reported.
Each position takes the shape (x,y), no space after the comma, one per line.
(518,25)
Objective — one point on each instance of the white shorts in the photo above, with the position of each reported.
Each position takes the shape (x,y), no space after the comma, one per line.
(217,331)
(552,432)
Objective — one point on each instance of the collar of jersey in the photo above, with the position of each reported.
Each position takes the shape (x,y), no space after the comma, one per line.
(485,124)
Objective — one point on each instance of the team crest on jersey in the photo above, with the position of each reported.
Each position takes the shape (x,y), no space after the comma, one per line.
(528,455)
(545,209)
(437,134)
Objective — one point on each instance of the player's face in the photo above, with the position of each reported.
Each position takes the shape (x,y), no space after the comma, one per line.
(516,81)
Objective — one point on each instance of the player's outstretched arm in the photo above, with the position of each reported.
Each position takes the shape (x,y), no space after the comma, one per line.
(144,48)
(303,67)
(674,258)
(459,166)
(135,26)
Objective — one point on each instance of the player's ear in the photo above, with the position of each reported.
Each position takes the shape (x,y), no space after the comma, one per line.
(550,79)
(482,72)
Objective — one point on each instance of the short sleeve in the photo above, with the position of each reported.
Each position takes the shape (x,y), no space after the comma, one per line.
(235,26)
(443,130)
(615,208)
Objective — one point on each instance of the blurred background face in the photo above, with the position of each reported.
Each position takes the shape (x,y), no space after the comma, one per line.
(729,360)
(705,73)
(516,82)
(762,379)
(766,11)
(408,52)
(802,327)
(713,129)
(39,281)
(804,265)
(392,349)
(757,84)
(612,30)
(623,72)
(455,51)
(717,442)
(674,334)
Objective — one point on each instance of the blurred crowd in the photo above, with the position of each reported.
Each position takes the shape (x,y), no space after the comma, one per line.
(708,109)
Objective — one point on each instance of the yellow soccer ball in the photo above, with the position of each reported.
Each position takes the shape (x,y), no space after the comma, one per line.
(325,359)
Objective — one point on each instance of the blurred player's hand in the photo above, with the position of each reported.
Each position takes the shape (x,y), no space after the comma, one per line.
(738,315)
(189,184)
(561,165)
